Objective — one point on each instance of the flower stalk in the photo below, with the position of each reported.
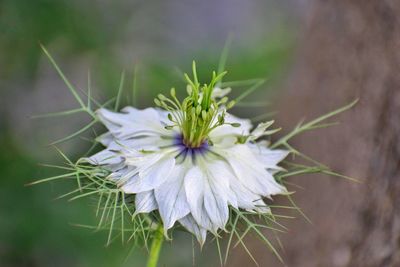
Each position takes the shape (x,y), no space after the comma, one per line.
(156,247)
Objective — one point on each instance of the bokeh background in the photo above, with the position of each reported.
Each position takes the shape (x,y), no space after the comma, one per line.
(316,55)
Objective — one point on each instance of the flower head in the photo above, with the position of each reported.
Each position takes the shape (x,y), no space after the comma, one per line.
(190,160)
(188,163)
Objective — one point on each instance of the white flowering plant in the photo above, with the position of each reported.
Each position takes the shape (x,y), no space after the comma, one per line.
(186,164)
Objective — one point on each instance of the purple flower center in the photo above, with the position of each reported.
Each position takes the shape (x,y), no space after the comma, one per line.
(187,150)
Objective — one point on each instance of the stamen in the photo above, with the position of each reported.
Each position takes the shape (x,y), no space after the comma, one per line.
(196,116)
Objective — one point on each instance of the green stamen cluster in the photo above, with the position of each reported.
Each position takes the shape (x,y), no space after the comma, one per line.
(199,113)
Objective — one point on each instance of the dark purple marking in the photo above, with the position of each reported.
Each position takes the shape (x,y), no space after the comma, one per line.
(190,151)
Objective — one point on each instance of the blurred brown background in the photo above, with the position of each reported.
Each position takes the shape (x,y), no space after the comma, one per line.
(318,55)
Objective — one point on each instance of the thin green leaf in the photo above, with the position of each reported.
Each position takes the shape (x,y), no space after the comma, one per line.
(66,81)
(57,114)
(134,86)
(224,57)
(84,129)
(249,91)
(120,89)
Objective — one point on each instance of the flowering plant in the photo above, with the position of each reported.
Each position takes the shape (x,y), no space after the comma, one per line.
(188,163)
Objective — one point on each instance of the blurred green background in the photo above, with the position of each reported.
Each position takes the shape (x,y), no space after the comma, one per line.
(157,38)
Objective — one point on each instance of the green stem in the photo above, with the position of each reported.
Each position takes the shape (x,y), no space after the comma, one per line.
(156,247)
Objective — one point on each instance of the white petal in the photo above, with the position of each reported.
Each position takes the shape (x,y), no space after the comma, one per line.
(208,190)
(145,143)
(220,176)
(268,157)
(123,174)
(105,139)
(139,159)
(194,188)
(145,202)
(250,171)
(171,198)
(220,93)
(133,122)
(219,134)
(261,207)
(151,177)
(104,157)
(190,224)
(244,197)
(111,120)
(216,207)
(260,130)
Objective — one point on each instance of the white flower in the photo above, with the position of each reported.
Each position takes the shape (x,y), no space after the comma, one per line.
(192,185)
(190,160)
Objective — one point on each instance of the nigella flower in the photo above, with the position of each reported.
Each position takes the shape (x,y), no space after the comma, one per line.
(186,163)
(190,160)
